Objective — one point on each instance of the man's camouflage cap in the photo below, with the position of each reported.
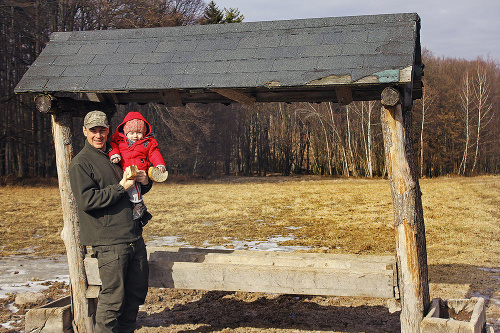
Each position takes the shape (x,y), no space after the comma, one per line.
(94,119)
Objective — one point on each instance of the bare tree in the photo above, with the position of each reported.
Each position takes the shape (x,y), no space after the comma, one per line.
(352,165)
(466,100)
(364,110)
(427,100)
(483,106)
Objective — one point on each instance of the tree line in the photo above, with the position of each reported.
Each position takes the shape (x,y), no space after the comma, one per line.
(456,123)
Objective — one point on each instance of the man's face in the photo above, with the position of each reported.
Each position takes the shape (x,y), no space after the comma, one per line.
(97,136)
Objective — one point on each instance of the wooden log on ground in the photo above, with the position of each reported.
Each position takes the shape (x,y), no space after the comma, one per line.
(408,214)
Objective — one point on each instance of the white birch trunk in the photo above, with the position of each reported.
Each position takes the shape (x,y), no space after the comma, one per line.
(351,162)
(465,97)
(369,134)
(483,107)
(422,136)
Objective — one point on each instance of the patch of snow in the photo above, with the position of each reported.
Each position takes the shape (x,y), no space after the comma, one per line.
(33,286)
(20,274)
(8,325)
(12,308)
(271,244)
(166,241)
(293,228)
(491,270)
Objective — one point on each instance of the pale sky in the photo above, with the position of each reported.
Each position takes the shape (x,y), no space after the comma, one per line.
(450,28)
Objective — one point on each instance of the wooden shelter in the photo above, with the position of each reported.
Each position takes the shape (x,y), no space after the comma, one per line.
(340,59)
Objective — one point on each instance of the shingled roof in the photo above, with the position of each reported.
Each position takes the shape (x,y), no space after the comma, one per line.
(293,60)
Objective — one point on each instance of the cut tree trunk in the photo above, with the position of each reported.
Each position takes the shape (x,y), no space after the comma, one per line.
(408,215)
(61,130)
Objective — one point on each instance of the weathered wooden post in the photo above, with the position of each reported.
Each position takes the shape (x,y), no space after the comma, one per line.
(409,226)
(61,131)
(61,111)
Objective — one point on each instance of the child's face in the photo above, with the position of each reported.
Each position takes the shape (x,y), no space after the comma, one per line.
(134,136)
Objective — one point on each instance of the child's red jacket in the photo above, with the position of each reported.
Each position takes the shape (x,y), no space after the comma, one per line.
(143,153)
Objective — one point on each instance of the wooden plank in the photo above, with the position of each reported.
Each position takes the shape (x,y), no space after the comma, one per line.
(235,96)
(284,280)
(53,317)
(91,268)
(272,272)
(95,97)
(265,258)
(93,291)
(344,95)
(171,97)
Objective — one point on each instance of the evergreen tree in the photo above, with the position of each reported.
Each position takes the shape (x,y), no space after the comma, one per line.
(212,14)
(232,15)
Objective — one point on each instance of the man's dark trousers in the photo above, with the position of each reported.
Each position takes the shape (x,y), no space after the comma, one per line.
(124,272)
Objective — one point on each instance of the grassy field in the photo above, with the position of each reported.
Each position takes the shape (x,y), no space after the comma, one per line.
(462,218)
(462,215)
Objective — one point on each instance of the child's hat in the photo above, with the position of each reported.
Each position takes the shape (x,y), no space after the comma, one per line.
(134,125)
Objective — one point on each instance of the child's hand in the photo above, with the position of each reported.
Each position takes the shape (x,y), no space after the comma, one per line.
(142,177)
(161,168)
(115,159)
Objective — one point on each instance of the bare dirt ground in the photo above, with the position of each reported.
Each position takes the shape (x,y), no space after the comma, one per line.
(462,218)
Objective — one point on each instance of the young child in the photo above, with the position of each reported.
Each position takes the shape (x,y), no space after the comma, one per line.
(133,144)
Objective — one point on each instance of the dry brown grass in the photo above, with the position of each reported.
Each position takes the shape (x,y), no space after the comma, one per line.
(332,215)
(462,215)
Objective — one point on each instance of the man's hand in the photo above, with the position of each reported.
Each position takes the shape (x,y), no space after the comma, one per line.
(142,177)
(126,182)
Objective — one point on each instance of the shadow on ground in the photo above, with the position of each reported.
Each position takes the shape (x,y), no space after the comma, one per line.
(217,310)
(174,310)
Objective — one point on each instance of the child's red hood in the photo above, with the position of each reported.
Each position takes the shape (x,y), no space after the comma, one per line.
(134,115)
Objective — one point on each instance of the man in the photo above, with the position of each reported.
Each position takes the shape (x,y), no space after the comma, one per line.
(105,218)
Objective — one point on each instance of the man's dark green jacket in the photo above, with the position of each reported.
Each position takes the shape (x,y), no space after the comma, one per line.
(104,208)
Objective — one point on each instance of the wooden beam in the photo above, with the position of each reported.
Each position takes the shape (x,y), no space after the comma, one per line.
(171,97)
(344,95)
(61,129)
(390,97)
(115,99)
(43,103)
(77,108)
(409,226)
(95,97)
(272,272)
(235,96)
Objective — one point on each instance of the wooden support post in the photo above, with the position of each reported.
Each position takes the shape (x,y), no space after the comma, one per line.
(61,130)
(408,215)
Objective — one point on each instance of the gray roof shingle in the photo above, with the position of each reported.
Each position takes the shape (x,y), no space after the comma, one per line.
(292,53)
